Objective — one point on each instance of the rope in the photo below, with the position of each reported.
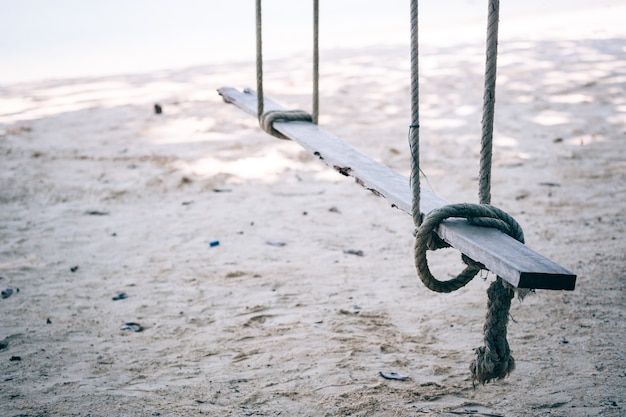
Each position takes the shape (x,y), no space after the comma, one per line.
(489,99)
(316,61)
(260,101)
(426,239)
(414,133)
(494,360)
(267,119)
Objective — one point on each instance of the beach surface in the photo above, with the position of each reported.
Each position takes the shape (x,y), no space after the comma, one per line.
(266,283)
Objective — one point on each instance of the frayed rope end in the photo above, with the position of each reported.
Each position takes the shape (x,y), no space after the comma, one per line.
(488,366)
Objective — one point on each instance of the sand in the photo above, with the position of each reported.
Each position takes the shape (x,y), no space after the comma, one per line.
(101,196)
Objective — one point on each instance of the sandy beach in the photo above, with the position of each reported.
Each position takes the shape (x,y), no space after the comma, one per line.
(265,283)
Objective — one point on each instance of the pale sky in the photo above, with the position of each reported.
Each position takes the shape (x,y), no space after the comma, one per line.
(42,39)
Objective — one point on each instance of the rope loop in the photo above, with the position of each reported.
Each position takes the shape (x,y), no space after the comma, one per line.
(426,239)
(267,119)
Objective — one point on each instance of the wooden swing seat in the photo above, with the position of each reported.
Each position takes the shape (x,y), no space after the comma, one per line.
(515,262)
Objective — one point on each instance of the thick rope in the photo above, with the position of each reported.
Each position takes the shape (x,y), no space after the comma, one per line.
(316,61)
(260,101)
(267,119)
(494,360)
(426,239)
(414,135)
(489,99)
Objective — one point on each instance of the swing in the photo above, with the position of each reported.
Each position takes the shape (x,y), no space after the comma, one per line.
(487,237)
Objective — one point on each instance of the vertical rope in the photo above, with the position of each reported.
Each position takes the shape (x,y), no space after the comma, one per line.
(489,99)
(259,61)
(414,128)
(267,119)
(316,61)
(494,360)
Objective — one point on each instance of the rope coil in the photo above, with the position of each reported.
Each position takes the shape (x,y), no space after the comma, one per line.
(426,239)
(267,119)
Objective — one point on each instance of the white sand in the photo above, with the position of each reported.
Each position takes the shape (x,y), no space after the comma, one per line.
(247,328)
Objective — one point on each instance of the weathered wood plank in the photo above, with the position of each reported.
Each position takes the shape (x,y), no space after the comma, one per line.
(501,254)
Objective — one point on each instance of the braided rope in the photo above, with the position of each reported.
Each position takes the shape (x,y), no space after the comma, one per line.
(494,360)
(489,99)
(426,239)
(266,119)
(414,137)
(260,101)
(316,61)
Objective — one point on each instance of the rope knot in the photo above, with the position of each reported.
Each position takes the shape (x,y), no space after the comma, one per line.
(267,119)
(426,239)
